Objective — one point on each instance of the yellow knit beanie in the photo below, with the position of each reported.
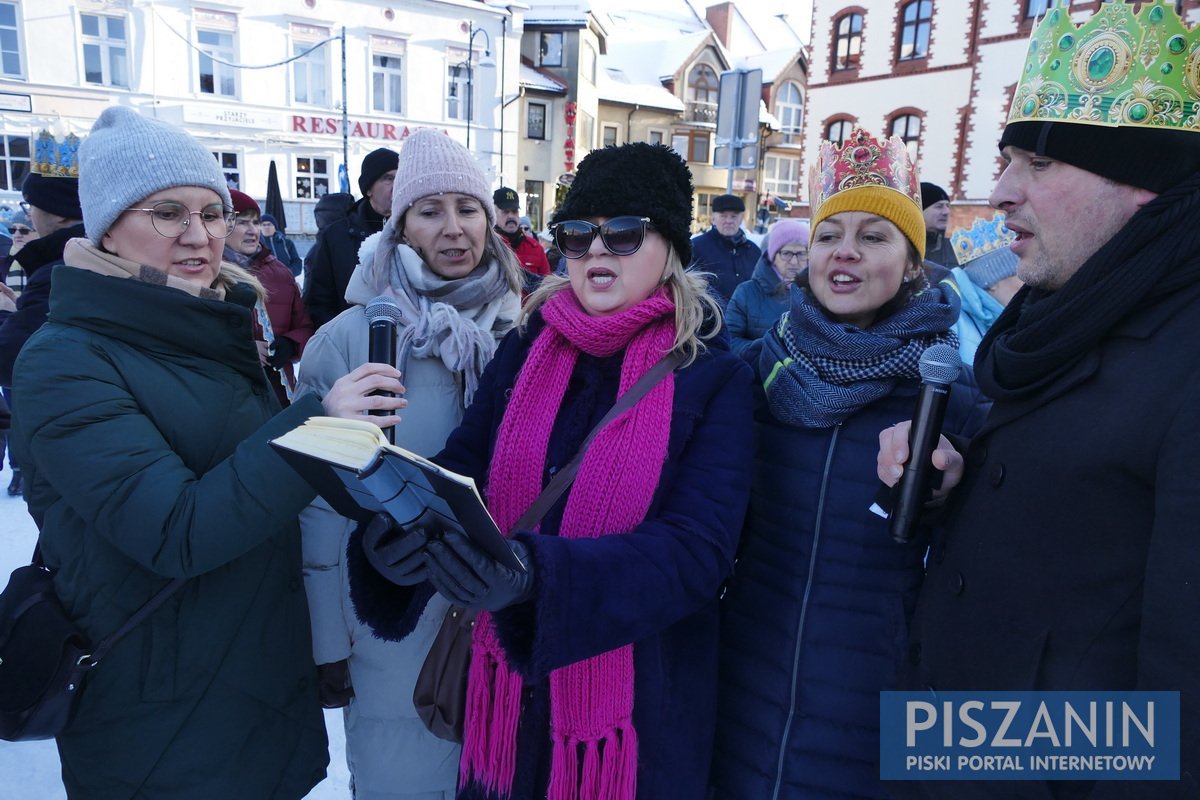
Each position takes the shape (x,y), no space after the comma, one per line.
(888,203)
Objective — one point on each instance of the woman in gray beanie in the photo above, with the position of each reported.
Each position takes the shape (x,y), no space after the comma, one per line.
(452,287)
(144,440)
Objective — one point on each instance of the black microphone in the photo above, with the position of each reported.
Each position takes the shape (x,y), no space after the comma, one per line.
(939,367)
(382,316)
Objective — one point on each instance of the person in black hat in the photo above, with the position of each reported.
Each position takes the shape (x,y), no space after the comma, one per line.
(935,205)
(280,246)
(53,209)
(723,250)
(1069,559)
(508,224)
(334,254)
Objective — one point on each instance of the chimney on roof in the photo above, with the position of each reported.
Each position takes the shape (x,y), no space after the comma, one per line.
(720,19)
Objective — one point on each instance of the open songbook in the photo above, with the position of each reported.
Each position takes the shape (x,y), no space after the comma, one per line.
(351,464)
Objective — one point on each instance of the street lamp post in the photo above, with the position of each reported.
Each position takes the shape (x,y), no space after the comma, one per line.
(483,62)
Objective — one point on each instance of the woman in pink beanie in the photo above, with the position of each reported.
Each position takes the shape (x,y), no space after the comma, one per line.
(452,288)
(757,303)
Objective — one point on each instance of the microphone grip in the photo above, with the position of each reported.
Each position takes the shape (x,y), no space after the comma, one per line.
(913,488)
(381,349)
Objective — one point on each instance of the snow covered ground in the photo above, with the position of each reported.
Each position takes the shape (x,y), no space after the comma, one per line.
(30,770)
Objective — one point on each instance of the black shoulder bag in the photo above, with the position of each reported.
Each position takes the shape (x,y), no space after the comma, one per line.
(44,657)
(440,694)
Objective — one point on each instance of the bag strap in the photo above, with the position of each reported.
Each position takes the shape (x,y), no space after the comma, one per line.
(566,476)
(139,616)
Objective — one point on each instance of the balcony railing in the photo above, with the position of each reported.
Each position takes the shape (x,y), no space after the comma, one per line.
(701,111)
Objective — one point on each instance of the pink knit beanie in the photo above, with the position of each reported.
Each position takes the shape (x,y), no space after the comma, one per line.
(786,231)
(433,163)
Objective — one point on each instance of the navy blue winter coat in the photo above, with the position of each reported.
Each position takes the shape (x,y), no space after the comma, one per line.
(731,260)
(815,621)
(756,305)
(655,587)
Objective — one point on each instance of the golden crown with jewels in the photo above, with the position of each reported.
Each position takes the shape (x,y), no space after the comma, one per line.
(1116,69)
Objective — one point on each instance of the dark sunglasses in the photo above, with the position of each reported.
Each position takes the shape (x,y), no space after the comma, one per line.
(623,236)
(19,230)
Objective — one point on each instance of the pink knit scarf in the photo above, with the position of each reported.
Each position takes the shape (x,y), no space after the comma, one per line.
(591,702)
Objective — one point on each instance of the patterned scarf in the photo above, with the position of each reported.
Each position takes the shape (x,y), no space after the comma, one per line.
(591,702)
(819,372)
(81,253)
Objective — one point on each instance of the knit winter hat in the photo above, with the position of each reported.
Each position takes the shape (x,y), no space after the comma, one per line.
(639,179)
(932,193)
(1144,157)
(786,231)
(57,196)
(900,209)
(21,218)
(990,269)
(265,218)
(433,163)
(243,203)
(374,165)
(128,157)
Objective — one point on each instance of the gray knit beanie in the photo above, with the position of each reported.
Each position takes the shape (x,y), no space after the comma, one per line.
(433,163)
(127,157)
(990,269)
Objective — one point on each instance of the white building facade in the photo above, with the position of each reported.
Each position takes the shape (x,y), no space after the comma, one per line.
(218,69)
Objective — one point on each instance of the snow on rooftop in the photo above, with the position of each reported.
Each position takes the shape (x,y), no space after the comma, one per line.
(614,85)
(531,78)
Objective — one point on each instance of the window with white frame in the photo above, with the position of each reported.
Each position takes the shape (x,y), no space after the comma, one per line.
(536,121)
(839,130)
(310,74)
(789,108)
(105,50)
(14,162)
(656,136)
(781,176)
(215,44)
(550,49)
(312,177)
(387,74)
(587,61)
(586,131)
(230,167)
(908,128)
(609,135)
(459,82)
(10,41)
(917,19)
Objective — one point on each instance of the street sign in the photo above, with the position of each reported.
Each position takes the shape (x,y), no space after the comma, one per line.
(737,120)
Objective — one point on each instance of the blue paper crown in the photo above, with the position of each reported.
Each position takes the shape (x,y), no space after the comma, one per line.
(55,159)
(987,235)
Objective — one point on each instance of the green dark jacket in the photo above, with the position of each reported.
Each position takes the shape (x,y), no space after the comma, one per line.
(144,437)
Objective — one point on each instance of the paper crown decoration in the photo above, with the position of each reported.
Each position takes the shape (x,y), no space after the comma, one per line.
(1117,68)
(986,235)
(55,159)
(862,160)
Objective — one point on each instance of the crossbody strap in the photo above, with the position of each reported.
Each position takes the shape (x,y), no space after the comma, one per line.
(566,476)
(148,608)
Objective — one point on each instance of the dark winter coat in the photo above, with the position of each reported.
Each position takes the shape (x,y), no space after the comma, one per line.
(1070,558)
(815,619)
(289,320)
(141,421)
(730,259)
(655,587)
(38,258)
(330,262)
(939,250)
(756,305)
(282,248)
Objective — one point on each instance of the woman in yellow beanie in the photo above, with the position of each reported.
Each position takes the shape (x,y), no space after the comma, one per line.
(799,706)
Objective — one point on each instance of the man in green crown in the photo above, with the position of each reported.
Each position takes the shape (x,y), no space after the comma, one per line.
(1070,557)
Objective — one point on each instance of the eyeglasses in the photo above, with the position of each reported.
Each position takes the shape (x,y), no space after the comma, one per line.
(623,236)
(791,255)
(21,231)
(171,219)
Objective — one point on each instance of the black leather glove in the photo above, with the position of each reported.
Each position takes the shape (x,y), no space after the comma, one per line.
(283,352)
(333,684)
(469,577)
(396,552)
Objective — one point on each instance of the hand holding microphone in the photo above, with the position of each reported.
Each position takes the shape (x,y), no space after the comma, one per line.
(939,368)
(383,314)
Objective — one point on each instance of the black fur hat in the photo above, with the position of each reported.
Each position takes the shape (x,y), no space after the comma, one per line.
(645,180)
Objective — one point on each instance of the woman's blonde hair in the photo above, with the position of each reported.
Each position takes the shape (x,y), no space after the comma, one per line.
(697,315)
(230,275)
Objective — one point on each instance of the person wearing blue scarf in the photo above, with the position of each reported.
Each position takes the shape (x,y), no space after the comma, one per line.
(814,619)
(984,286)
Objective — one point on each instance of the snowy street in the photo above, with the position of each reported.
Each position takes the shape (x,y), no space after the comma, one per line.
(30,770)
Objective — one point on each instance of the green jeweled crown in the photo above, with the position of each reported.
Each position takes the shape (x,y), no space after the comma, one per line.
(1117,68)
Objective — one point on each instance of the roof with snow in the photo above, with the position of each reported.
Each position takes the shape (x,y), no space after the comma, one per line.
(531,77)
(614,86)
(657,60)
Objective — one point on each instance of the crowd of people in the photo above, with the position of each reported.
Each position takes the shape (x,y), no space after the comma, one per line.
(711,609)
